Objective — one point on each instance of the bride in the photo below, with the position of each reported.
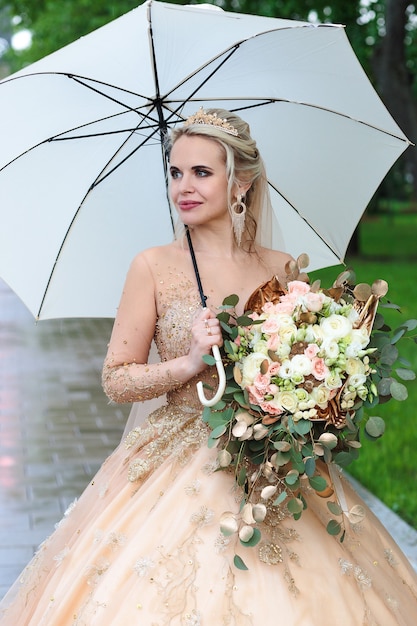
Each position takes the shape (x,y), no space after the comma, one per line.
(143,545)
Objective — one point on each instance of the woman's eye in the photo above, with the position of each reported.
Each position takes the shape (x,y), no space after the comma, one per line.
(201,173)
(175,174)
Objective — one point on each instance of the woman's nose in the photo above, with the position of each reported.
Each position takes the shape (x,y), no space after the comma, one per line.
(186,183)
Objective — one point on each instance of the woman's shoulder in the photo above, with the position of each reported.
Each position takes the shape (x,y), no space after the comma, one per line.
(158,254)
(275,260)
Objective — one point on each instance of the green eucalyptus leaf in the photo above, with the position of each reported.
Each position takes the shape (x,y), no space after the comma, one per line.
(218,431)
(398,333)
(334,508)
(350,424)
(318,483)
(410,324)
(282,496)
(280,458)
(384,386)
(379,321)
(405,374)
(292,477)
(209,359)
(239,563)
(302,427)
(239,397)
(398,391)
(333,527)
(226,327)
(241,479)
(310,466)
(231,300)
(244,320)
(375,427)
(389,354)
(344,458)
(295,506)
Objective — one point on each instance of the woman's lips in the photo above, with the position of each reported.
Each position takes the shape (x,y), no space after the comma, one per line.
(187,205)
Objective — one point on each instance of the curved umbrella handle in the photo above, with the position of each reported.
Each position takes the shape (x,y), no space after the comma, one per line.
(222,381)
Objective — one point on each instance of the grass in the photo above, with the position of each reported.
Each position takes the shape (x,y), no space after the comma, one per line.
(388,467)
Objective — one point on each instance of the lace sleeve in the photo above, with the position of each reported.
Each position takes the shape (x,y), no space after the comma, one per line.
(133,382)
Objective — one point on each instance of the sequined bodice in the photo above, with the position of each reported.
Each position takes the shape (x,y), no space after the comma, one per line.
(179,304)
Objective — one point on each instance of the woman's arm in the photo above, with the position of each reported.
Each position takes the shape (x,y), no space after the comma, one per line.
(127,377)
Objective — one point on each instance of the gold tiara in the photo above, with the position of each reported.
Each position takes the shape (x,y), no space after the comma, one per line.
(211,119)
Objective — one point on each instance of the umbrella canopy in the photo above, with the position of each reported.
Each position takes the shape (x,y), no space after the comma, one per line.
(82,164)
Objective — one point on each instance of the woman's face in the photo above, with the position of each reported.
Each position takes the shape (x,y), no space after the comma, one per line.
(198,183)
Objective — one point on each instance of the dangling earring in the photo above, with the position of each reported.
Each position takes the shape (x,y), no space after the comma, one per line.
(238,218)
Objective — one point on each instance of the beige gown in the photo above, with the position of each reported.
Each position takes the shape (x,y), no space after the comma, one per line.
(142,545)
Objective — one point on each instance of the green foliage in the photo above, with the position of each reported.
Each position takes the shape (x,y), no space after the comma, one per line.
(387,466)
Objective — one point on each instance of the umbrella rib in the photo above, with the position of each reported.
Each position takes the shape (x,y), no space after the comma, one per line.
(80,79)
(305,220)
(266,101)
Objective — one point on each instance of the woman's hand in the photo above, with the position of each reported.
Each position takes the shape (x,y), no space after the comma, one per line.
(205,333)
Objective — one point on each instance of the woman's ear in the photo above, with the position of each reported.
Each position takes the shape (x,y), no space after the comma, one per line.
(241,189)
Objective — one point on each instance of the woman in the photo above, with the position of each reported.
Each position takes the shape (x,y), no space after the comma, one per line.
(142,545)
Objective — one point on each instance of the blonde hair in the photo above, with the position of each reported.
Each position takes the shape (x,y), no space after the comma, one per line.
(243,165)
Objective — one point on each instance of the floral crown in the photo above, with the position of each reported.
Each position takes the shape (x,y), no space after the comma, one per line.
(203,118)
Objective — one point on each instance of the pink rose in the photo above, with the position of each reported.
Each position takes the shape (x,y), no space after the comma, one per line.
(314,301)
(286,305)
(273,368)
(238,340)
(268,307)
(298,288)
(272,408)
(261,382)
(311,350)
(270,325)
(319,369)
(255,397)
(273,342)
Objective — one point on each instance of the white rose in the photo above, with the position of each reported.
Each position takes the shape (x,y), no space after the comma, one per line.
(353,350)
(330,348)
(261,347)
(285,370)
(300,365)
(333,381)
(288,400)
(285,320)
(251,367)
(288,333)
(356,380)
(353,316)
(283,351)
(354,366)
(321,395)
(302,394)
(336,326)
(360,335)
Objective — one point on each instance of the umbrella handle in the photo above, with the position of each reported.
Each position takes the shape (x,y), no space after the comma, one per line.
(222,381)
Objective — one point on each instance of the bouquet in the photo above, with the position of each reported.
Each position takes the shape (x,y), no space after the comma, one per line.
(302,364)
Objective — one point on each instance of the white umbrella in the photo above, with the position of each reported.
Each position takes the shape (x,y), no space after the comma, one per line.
(82,166)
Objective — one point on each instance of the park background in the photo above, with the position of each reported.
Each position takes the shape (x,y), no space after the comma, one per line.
(383,35)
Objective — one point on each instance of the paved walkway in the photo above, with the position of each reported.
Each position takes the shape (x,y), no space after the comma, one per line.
(56,428)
